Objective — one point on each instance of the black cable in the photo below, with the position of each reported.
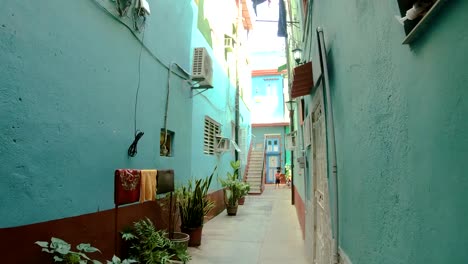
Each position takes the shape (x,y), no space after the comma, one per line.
(138,85)
(187,77)
(132,150)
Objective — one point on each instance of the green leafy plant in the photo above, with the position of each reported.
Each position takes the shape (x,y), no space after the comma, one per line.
(244,189)
(193,201)
(235,165)
(62,252)
(117,260)
(151,246)
(234,188)
(232,192)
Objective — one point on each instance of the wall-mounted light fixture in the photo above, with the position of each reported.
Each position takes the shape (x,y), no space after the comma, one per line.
(291,105)
(297,54)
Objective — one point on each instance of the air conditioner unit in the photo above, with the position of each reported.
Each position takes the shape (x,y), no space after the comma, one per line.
(222,144)
(202,69)
(291,141)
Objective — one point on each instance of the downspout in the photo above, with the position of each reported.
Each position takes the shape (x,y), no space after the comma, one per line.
(236,125)
(331,139)
(291,113)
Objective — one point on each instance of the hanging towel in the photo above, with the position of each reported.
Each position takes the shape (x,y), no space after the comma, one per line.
(126,186)
(148,185)
(257,2)
(282,31)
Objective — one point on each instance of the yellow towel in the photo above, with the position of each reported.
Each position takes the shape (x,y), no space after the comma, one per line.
(148,185)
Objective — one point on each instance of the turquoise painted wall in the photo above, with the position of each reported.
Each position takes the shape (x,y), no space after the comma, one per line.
(267,99)
(401,131)
(246,124)
(260,132)
(69,79)
(219,104)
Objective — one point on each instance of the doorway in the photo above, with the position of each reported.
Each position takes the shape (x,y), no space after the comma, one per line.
(273,157)
(318,221)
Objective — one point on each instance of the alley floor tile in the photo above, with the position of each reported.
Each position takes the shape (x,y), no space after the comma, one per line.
(265,230)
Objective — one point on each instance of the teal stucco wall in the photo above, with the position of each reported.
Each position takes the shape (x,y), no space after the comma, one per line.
(245,139)
(260,132)
(267,99)
(69,75)
(219,104)
(401,131)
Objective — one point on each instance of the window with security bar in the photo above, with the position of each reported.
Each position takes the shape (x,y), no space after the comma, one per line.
(211,129)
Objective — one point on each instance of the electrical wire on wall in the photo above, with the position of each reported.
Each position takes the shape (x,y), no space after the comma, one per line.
(164,150)
(139,20)
(184,76)
(132,150)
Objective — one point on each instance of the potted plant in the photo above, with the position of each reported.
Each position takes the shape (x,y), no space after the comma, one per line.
(169,206)
(151,246)
(244,187)
(62,252)
(232,192)
(194,205)
(244,190)
(233,189)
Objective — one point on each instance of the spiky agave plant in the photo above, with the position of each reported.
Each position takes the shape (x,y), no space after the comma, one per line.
(193,201)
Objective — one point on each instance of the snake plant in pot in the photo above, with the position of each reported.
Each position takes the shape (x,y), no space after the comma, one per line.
(194,205)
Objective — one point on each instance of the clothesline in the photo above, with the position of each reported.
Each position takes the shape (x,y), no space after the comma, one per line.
(134,185)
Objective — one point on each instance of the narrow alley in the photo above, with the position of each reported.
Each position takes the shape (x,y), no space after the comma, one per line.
(130,128)
(265,230)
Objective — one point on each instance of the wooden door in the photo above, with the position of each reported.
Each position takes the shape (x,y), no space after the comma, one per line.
(322,235)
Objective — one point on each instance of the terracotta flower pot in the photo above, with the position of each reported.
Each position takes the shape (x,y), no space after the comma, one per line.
(241,201)
(181,240)
(231,210)
(195,234)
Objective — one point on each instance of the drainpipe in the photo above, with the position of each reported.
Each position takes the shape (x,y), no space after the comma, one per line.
(291,118)
(291,113)
(331,139)
(236,126)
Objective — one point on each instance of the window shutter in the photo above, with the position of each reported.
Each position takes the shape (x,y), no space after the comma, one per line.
(211,129)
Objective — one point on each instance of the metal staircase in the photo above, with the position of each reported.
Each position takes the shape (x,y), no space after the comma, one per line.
(254,172)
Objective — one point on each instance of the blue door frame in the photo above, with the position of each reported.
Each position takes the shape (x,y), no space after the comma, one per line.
(273,158)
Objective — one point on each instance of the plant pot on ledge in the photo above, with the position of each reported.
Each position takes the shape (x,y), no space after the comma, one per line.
(241,200)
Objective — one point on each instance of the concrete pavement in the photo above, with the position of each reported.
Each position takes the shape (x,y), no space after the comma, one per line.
(265,230)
